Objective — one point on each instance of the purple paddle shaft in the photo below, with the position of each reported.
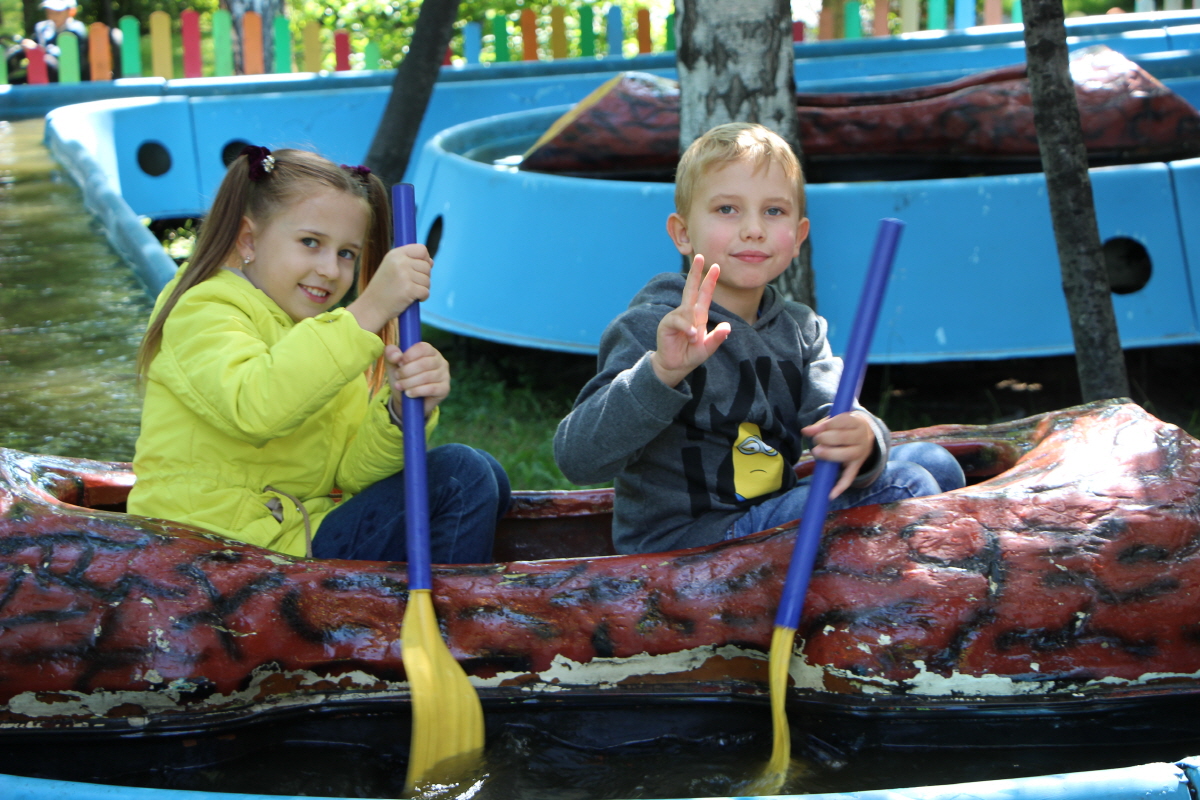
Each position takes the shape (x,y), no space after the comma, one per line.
(825,473)
(416,484)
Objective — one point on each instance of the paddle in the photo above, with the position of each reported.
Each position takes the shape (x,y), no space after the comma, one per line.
(447,718)
(825,474)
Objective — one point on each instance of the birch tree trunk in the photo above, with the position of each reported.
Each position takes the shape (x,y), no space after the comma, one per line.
(267,10)
(1098,355)
(736,64)
(391,149)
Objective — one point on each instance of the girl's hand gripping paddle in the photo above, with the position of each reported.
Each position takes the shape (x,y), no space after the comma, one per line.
(825,474)
(447,718)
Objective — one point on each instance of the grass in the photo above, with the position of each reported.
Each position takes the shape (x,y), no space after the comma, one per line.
(508,401)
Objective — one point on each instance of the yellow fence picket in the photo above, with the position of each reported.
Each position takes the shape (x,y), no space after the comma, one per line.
(162,60)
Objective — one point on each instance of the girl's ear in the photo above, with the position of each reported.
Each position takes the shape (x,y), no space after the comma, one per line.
(677,230)
(244,243)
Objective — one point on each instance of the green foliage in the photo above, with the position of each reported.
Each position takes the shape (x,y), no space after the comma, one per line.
(508,401)
(1092,7)
(389,24)
(93,10)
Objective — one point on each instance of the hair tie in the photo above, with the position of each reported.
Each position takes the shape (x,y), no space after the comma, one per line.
(359,170)
(261,162)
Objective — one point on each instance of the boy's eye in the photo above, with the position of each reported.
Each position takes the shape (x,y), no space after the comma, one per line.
(775,211)
(725,209)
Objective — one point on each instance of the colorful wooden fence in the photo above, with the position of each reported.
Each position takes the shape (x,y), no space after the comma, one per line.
(494,38)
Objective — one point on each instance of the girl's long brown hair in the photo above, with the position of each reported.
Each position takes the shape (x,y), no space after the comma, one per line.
(295,174)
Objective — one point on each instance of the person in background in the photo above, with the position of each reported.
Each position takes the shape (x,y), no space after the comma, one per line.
(60,18)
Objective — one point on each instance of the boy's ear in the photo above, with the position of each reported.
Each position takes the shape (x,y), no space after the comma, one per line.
(677,230)
(801,234)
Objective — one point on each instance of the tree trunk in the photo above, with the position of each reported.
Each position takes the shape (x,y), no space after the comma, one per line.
(392,146)
(31,11)
(267,10)
(1098,355)
(736,64)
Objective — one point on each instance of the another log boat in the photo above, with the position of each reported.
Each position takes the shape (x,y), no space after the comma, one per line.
(980,124)
(1053,600)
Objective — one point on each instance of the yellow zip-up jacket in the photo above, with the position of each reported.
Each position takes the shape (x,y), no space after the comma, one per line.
(240,398)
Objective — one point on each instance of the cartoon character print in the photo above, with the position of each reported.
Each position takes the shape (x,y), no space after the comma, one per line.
(730,426)
(757,467)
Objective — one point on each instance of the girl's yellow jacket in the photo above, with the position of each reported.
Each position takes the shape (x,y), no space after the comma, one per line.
(246,410)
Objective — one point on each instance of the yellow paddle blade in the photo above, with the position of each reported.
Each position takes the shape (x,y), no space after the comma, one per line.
(772,779)
(447,727)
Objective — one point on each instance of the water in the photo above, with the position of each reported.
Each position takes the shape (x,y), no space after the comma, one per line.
(71,314)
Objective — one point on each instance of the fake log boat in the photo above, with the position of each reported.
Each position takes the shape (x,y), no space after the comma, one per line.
(980,124)
(1056,597)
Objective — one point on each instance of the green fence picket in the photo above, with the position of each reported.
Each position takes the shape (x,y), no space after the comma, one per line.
(936,14)
(500,35)
(131,47)
(852,23)
(283,45)
(68,57)
(371,57)
(222,33)
(587,31)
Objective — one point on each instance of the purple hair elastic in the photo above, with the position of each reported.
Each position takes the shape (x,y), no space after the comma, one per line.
(261,162)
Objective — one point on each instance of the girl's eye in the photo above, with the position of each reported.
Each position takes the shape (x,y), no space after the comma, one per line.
(725,210)
(349,255)
(309,241)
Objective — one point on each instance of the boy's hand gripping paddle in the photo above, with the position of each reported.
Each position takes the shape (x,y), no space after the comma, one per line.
(825,474)
(447,718)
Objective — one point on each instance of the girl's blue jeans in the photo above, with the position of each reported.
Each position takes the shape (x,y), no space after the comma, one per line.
(912,470)
(468,493)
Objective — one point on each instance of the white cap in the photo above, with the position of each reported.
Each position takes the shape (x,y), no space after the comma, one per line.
(58,5)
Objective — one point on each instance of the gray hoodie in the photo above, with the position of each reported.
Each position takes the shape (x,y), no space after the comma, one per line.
(686,462)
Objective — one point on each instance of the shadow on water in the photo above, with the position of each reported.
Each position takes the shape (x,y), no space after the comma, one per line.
(71,313)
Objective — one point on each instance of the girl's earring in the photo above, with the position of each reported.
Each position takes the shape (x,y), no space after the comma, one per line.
(246,261)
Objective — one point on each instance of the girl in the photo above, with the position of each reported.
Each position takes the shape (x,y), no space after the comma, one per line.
(264,401)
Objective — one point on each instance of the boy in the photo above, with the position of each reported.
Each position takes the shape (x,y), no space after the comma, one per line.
(699,427)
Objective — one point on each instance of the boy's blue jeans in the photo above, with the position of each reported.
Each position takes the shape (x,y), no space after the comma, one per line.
(913,470)
(468,493)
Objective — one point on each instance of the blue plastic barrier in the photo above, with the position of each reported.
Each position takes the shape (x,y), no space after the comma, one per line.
(1159,781)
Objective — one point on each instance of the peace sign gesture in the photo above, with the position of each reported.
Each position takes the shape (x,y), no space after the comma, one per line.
(684,341)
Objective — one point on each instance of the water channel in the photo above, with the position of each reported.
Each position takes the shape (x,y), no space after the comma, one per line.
(71,313)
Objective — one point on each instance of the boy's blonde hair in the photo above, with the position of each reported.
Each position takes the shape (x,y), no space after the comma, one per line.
(735,141)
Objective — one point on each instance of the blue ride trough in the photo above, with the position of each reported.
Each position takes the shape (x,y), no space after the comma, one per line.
(1155,781)
(546,261)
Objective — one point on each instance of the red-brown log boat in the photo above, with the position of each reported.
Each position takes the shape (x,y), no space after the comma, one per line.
(979,124)
(1056,598)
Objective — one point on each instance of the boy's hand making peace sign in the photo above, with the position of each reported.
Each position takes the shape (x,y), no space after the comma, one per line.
(684,341)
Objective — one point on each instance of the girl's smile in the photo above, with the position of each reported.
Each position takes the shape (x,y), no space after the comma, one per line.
(304,257)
